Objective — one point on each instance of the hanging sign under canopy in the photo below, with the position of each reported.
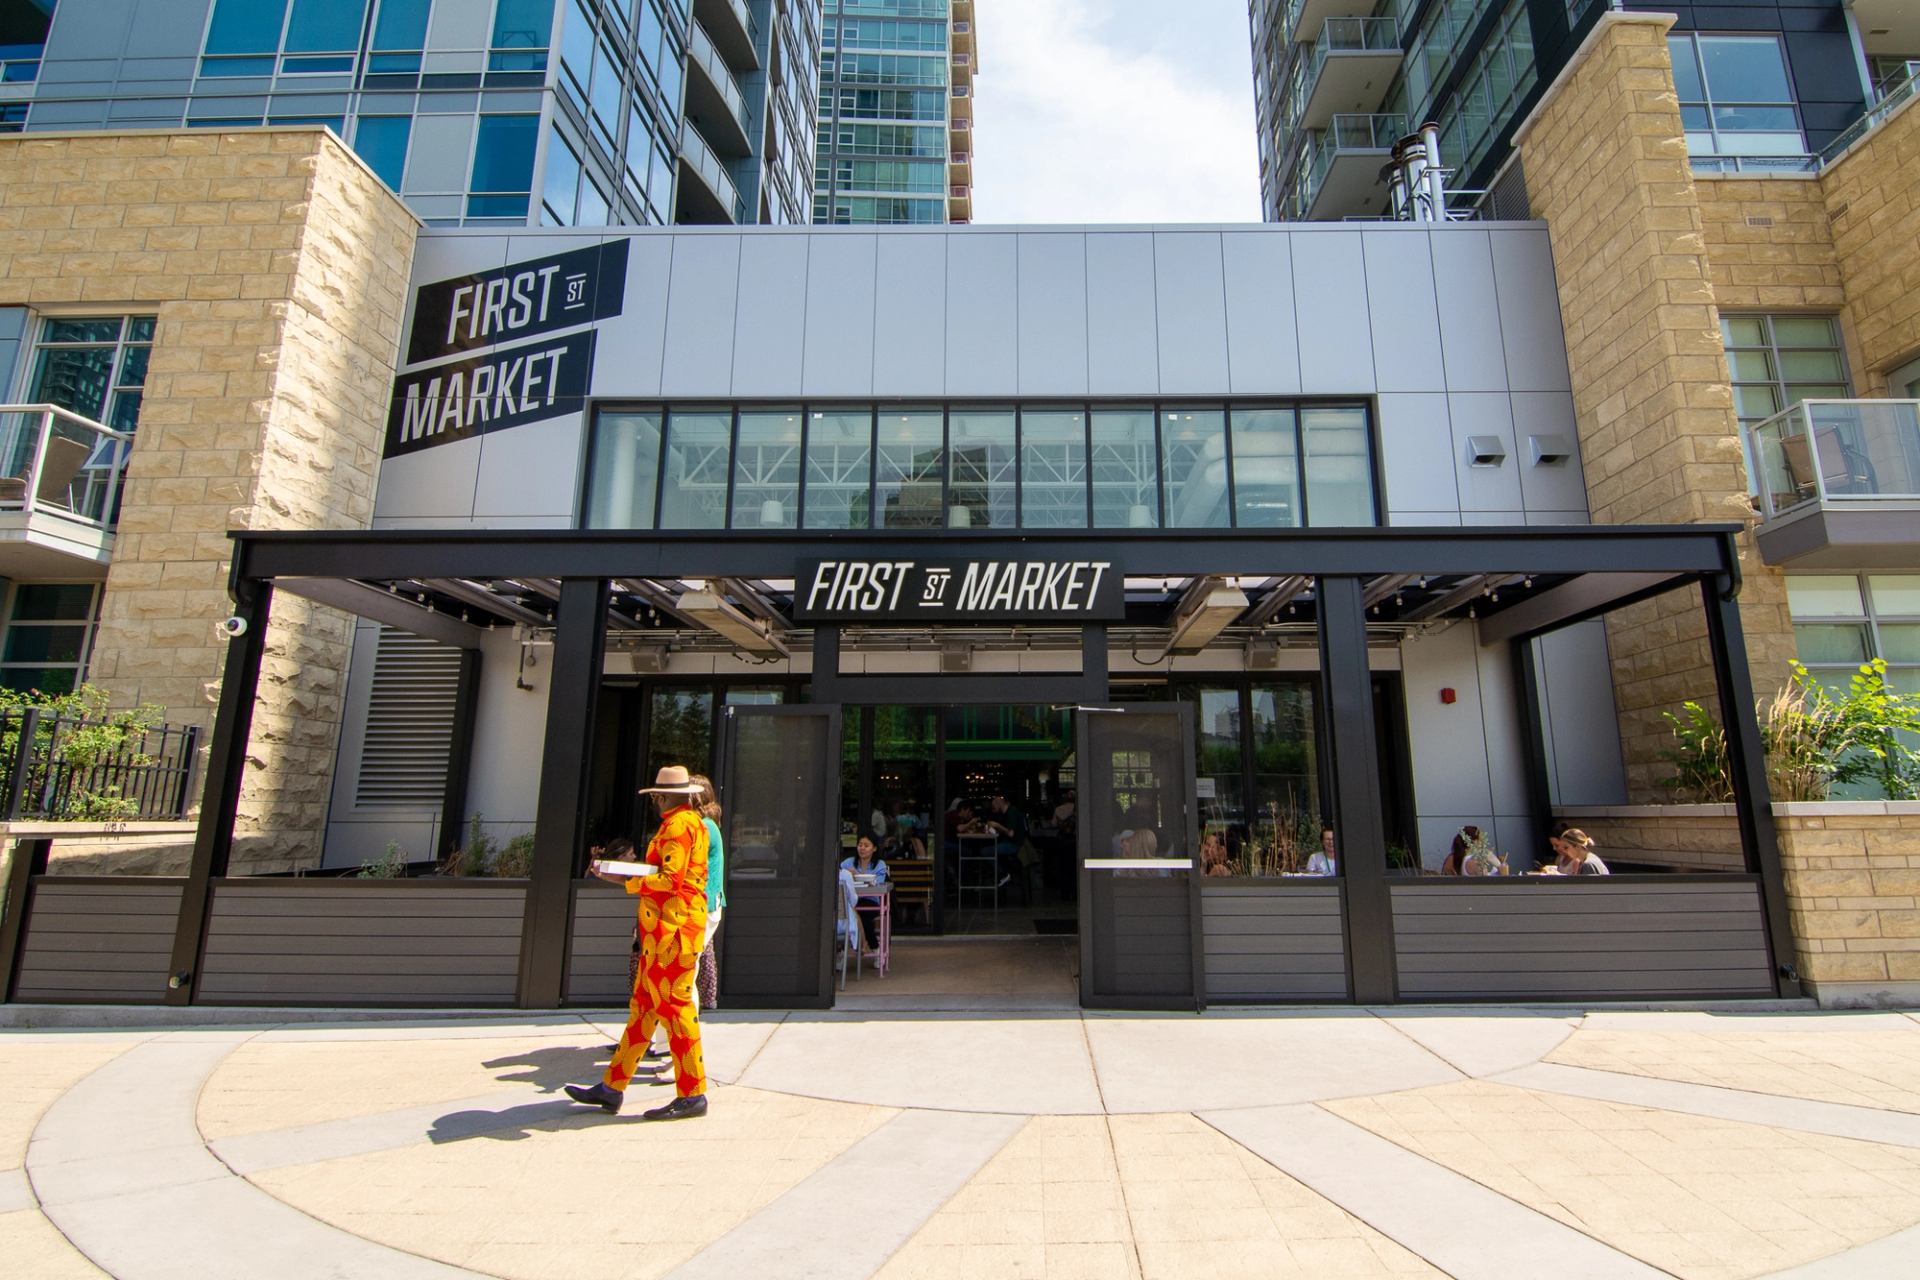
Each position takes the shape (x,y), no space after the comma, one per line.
(958,590)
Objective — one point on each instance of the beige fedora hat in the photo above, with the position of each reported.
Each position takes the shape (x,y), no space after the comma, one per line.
(672,779)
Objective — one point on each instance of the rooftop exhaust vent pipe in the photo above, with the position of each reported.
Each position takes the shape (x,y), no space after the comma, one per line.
(1415,180)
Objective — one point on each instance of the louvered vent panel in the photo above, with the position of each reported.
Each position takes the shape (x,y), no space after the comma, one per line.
(409,722)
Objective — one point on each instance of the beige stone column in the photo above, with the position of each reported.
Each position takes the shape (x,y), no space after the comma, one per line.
(277,264)
(1606,167)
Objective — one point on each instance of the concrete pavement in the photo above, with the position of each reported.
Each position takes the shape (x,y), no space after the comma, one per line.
(1466,1142)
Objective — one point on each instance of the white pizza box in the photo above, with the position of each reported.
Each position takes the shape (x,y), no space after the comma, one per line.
(628,868)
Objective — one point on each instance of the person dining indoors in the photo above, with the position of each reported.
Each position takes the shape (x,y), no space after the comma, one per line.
(866,861)
(1326,861)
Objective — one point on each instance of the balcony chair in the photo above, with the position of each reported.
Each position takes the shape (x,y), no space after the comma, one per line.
(63,462)
(1843,469)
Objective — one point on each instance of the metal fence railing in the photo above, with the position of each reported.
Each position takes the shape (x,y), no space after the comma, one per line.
(60,767)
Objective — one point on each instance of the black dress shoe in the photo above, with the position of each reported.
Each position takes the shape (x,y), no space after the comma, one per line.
(655,1055)
(598,1095)
(678,1109)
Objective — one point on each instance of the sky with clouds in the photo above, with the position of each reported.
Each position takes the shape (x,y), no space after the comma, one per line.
(1114,111)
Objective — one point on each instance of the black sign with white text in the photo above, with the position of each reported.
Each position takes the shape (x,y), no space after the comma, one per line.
(518,301)
(466,398)
(947,590)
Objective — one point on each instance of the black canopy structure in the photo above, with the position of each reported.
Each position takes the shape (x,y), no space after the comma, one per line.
(1328,587)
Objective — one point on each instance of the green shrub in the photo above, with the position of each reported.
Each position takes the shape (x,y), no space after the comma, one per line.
(391,865)
(90,735)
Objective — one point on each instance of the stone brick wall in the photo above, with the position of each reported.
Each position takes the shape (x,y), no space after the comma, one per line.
(1871,204)
(1853,892)
(1606,164)
(277,265)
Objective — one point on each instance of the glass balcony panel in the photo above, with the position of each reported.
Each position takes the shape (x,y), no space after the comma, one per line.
(1838,450)
(60,463)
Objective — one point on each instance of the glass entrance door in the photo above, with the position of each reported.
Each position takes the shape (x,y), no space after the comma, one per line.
(1138,839)
(779,791)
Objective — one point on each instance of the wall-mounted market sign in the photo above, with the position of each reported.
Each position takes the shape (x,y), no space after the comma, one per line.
(876,590)
(511,380)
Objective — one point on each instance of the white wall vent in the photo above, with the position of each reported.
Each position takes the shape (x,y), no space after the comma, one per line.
(410,714)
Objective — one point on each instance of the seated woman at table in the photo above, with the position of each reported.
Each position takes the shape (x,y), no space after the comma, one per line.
(1573,849)
(1325,861)
(866,861)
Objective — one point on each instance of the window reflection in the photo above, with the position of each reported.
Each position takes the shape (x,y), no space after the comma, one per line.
(1266,469)
(766,471)
(626,466)
(909,471)
(693,489)
(839,468)
(980,444)
(1053,469)
(1126,470)
(1193,445)
(1339,467)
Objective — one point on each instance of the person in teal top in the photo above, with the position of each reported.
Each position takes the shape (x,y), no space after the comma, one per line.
(707,979)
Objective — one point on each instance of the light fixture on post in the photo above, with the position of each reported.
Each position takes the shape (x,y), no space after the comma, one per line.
(773,514)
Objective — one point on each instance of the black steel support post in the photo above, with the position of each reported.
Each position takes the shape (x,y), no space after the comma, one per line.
(1533,742)
(560,823)
(466,702)
(1094,670)
(1357,818)
(226,770)
(29,860)
(1747,763)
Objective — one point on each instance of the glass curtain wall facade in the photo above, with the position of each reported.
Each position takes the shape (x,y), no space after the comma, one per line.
(1338,81)
(894,143)
(478,112)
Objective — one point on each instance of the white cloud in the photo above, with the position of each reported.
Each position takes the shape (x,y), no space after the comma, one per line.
(1121,111)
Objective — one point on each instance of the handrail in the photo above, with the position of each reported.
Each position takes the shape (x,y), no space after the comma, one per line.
(700,47)
(1347,132)
(1874,116)
(695,151)
(65,464)
(1836,451)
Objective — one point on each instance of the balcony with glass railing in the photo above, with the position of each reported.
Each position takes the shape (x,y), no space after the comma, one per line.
(714,198)
(60,483)
(1338,172)
(714,97)
(733,29)
(1346,70)
(1838,479)
(1304,18)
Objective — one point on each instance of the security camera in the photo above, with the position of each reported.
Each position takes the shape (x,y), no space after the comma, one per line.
(232,628)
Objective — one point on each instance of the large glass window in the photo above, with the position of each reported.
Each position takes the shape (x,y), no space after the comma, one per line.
(693,488)
(50,628)
(399,35)
(1266,469)
(95,367)
(1735,96)
(382,142)
(625,471)
(1219,789)
(1286,770)
(980,447)
(1053,469)
(561,184)
(1193,444)
(839,468)
(1339,466)
(502,166)
(1777,361)
(1126,470)
(522,30)
(766,471)
(909,471)
(1843,620)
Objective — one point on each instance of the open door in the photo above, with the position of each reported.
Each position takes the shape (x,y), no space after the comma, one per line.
(1140,943)
(780,796)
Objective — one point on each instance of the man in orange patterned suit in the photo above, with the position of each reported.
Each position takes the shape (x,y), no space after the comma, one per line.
(673,922)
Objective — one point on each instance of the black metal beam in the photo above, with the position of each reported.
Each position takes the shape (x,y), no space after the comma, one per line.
(985,689)
(1533,742)
(364,601)
(1357,819)
(1747,763)
(560,823)
(466,705)
(226,771)
(481,553)
(1587,596)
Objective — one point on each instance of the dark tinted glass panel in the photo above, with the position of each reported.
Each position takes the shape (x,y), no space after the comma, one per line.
(75,378)
(101,330)
(401,24)
(133,366)
(522,24)
(53,602)
(1745,69)
(246,26)
(45,679)
(44,644)
(382,143)
(325,25)
(503,153)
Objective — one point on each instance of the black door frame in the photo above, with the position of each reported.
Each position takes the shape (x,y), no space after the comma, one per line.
(1183,714)
(829,836)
